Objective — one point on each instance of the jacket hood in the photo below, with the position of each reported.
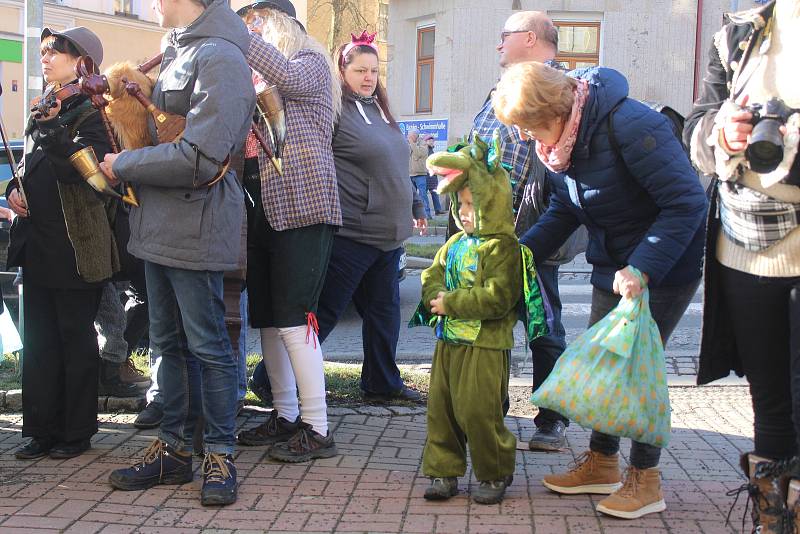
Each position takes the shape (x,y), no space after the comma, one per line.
(218,20)
(477,166)
(607,88)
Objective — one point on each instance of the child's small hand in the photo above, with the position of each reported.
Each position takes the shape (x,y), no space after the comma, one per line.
(437,304)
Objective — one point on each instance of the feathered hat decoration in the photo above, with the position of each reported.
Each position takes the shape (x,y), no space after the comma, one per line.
(365,39)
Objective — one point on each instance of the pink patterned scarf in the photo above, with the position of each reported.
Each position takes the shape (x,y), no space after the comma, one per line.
(557,157)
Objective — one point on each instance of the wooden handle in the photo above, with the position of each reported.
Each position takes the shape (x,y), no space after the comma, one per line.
(148,65)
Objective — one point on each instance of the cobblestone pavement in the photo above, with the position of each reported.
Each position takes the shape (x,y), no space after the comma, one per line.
(375,485)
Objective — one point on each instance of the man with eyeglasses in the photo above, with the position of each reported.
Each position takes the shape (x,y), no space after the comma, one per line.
(531,36)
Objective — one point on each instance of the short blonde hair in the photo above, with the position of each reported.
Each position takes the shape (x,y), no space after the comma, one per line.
(531,94)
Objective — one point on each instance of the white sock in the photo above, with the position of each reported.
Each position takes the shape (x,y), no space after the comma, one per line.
(305,354)
(280,373)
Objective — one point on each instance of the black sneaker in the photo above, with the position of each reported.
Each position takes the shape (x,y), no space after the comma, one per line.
(70,449)
(304,445)
(150,417)
(549,437)
(36,448)
(161,465)
(274,430)
(219,480)
(404,394)
(441,489)
(491,491)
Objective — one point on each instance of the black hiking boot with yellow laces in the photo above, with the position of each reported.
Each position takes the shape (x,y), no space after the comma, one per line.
(219,480)
(161,465)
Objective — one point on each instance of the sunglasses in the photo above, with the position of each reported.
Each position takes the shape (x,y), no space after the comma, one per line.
(504,35)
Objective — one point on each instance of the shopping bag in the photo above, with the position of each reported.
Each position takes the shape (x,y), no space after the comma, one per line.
(9,337)
(612,378)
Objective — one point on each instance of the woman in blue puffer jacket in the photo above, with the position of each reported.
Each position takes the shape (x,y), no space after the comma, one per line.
(617,167)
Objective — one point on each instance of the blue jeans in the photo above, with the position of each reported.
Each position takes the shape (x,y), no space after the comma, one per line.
(187,322)
(546,350)
(667,306)
(154,393)
(242,368)
(421,183)
(367,276)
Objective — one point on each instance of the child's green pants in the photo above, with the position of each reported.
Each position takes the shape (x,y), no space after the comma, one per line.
(465,407)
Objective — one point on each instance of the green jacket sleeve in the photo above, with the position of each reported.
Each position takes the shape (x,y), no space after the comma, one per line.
(501,284)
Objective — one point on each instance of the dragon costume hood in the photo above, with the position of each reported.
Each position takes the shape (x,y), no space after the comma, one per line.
(477,166)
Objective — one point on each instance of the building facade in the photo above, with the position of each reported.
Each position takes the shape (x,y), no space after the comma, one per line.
(443,58)
(332,21)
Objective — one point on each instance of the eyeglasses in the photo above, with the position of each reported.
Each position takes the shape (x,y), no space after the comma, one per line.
(504,35)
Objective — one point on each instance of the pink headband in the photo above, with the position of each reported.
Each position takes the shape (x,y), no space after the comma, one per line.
(365,39)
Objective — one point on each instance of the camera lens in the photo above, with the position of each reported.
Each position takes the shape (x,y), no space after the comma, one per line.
(765,150)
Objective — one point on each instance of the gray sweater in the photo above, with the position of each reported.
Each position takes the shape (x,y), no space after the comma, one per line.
(372,172)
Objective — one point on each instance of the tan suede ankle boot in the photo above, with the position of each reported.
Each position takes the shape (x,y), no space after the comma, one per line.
(592,472)
(639,495)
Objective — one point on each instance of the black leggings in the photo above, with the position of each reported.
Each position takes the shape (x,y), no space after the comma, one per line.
(765,316)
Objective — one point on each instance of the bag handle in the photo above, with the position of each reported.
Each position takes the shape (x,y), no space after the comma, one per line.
(639,276)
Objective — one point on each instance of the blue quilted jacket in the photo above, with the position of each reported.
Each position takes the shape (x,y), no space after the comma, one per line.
(642,203)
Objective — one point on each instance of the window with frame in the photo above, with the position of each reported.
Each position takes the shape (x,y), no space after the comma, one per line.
(124,7)
(578,44)
(423,101)
(383,21)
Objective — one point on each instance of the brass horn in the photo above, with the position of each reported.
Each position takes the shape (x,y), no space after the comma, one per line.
(270,105)
(85,162)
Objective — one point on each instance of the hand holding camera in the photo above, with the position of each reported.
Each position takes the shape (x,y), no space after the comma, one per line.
(758,131)
(736,130)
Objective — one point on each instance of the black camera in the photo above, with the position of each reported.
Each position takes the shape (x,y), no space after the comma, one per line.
(765,149)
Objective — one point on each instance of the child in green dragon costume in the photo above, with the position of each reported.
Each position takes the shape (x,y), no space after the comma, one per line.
(469,296)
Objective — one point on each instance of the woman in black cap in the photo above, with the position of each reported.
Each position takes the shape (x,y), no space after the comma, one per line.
(62,239)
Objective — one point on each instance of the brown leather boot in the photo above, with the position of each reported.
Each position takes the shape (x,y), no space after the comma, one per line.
(639,495)
(793,503)
(767,488)
(592,472)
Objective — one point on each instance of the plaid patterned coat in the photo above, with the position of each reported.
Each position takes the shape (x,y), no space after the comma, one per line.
(306,194)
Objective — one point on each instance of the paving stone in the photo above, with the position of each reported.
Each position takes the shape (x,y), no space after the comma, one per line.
(376,484)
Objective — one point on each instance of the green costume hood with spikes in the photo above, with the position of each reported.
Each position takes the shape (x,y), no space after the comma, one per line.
(477,167)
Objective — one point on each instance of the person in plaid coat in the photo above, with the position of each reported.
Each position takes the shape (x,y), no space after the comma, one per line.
(291,221)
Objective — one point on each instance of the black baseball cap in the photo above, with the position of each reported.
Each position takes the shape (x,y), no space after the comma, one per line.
(284,6)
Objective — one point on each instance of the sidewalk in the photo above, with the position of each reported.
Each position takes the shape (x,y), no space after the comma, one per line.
(375,484)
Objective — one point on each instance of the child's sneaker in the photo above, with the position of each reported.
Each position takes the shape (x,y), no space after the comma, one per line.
(219,480)
(161,465)
(441,489)
(304,445)
(492,491)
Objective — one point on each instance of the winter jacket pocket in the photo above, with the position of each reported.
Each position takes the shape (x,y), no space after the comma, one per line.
(186,209)
(176,92)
